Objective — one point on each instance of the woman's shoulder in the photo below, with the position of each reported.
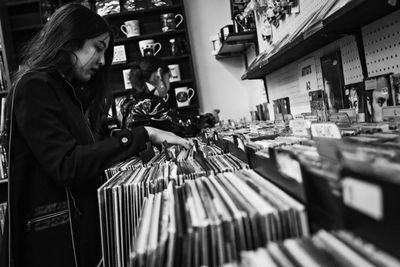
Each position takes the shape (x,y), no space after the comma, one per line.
(36,83)
(43,76)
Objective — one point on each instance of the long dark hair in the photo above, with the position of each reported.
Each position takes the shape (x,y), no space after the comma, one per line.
(50,50)
(142,69)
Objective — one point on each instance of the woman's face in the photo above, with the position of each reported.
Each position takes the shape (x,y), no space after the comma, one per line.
(90,57)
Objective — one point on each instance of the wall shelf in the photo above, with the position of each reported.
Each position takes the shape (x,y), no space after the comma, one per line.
(168,59)
(147,36)
(235,44)
(3,93)
(347,20)
(142,11)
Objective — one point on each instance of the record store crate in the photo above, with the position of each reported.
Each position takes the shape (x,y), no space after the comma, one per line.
(380,223)
(268,168)
(220,142)
(324,203)
(239,151)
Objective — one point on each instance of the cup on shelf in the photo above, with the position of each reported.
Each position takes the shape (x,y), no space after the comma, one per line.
(175,73)
(131,28)
(169,21)
(148,47)
(183,95)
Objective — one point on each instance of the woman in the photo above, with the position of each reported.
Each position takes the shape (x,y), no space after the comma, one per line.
(55,153)
(148,103)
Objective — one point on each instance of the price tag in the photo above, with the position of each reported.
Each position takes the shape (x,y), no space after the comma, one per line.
(370,84)
(278,117)
(313,118)
(325,130)
(364,197)
(391,112)
(298,117)
(300,127)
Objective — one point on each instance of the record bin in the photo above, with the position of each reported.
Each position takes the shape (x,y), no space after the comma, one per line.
(323,193)
(379,224)
(268,168)
(220,142)
(238,149)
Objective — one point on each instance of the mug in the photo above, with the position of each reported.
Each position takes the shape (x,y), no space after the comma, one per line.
(131,28)
(147,47)
(175,72)
(183,95)
(168,21)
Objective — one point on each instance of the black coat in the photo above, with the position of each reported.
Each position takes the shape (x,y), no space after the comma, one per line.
(56,167)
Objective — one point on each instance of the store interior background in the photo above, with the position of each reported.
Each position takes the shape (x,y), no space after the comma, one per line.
(219,81)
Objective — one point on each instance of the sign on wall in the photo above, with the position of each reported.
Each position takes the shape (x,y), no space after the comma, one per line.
(308,75)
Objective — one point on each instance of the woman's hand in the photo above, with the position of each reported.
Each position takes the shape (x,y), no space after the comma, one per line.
(158,136)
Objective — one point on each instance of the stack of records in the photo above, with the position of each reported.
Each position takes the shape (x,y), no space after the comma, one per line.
(324,249)
(129,164)
(122,196)
(211,220)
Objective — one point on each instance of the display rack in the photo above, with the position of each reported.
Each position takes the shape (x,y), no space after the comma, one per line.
(235,44)
(150,28)
(347,20)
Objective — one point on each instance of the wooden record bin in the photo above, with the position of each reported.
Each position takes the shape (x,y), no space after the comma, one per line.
(150,25)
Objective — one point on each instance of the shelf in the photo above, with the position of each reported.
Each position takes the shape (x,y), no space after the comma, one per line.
(168,58)
(249,36)
(235,44)
(28,28)
(3,181)
(142,12)
(3,93)
(347,20)
(147,36)
(173,84)
(182,82)
(190,107)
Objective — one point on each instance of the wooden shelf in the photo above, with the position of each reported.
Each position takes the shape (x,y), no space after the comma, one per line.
(347,20)
(173,84)
(182,82)
(148,36)
(142,12)
(168,58)
(235,44)
(3,93)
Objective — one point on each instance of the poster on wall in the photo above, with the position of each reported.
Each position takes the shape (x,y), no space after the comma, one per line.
(307,75)
(264,28)
(378,94)
(395,82)
(332,74)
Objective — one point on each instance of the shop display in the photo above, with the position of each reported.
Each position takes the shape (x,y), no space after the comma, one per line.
(273,191)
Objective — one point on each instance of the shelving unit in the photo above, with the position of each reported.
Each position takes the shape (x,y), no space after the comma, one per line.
(148,36)
(347,20)
(150,28)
